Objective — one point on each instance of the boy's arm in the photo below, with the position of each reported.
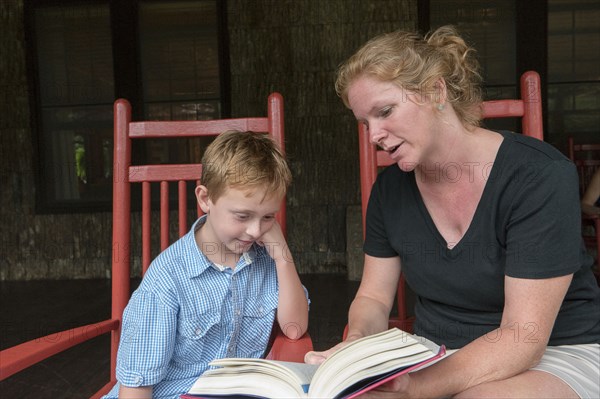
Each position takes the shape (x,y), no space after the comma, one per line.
(147,340)
(135,393)
(292,311)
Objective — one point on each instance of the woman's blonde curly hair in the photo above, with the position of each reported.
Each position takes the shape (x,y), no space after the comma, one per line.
(416,63)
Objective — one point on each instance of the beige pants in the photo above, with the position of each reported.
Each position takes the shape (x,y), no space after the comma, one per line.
(577,365)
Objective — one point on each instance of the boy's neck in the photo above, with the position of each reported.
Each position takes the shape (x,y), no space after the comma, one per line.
(216,253)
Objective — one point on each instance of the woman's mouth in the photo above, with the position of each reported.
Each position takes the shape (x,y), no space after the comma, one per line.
(393,150)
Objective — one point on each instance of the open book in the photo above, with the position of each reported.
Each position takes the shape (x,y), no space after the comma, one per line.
(356,368)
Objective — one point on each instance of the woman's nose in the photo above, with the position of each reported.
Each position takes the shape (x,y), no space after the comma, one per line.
(375,133)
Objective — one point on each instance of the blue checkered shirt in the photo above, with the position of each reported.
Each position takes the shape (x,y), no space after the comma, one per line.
(187,312)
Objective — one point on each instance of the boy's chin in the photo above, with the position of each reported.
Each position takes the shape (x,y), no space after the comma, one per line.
(238,248)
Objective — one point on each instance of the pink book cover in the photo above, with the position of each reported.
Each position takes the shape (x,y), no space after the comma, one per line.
(382,379)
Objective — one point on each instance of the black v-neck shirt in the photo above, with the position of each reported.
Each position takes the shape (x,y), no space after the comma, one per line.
(526,225)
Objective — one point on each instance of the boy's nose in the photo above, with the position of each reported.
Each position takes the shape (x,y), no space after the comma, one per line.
(253,229)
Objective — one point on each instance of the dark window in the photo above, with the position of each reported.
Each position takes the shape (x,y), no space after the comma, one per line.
(164,56)
(560,39)
(488,26)
(574,69)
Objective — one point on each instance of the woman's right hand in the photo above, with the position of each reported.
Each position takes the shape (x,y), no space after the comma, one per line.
(314,357)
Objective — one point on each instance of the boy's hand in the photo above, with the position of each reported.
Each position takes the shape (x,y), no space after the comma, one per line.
(275,243)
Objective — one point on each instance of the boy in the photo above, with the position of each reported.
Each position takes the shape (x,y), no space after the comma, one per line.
(216,291)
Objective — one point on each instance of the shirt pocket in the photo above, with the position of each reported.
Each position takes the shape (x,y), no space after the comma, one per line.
(257,323)
(193,336)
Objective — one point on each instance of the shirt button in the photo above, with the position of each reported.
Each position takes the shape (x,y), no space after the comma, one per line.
(237,312)
(260,310)
(138,379)
(198,332)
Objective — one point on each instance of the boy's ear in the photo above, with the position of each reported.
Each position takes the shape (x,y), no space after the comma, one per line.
(202,198)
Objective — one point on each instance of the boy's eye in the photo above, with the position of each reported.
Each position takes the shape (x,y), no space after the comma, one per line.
(269,217)
(241,216)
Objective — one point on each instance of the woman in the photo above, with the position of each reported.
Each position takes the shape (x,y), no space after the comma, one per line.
(485,225)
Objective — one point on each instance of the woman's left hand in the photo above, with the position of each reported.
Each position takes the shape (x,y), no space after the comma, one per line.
(397,388)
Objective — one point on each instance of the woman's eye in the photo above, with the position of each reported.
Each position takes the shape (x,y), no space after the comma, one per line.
(385,112)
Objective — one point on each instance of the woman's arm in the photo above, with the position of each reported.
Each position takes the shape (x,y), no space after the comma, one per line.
(370,310)
(530,310)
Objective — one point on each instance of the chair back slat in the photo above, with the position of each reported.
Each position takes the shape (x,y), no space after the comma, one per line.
(158,173)
(182,207)
(503,108)
(164,215)
(172,129)
(146,228)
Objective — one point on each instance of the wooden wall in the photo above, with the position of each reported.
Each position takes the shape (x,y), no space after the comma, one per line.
(289,46)
(294,47)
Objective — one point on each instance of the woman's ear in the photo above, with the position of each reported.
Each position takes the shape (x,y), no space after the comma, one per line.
(440,94)
(202,198)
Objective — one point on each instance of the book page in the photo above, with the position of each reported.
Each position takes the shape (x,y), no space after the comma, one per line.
(245,383)
(367,354)
(300,373)
(269,378)
(361,348)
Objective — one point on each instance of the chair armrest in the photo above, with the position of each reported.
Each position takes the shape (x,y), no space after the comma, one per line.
(287,349)
(24,355)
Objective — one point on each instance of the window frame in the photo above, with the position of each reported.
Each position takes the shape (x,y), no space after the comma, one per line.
(123,27)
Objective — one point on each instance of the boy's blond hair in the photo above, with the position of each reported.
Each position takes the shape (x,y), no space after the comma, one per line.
(244,160)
